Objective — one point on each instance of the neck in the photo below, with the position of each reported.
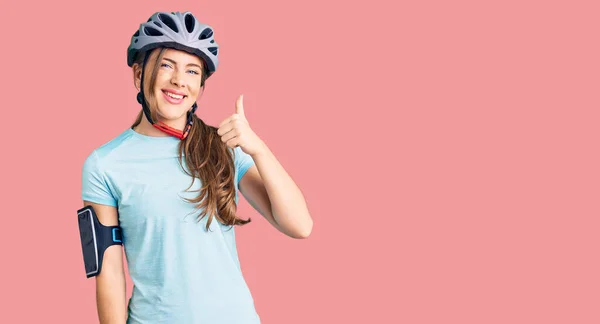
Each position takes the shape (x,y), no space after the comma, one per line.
(145,128)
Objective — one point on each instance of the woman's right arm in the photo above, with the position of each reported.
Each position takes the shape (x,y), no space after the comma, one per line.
(110,283)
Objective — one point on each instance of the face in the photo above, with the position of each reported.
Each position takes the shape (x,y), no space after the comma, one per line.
(177,83)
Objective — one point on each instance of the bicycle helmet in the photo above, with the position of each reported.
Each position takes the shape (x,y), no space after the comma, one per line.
(181,31)
(176,30)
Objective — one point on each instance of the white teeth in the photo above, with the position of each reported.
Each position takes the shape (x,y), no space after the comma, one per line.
(174,95)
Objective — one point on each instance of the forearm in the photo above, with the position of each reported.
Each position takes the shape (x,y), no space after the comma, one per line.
(288,205)
(111,297)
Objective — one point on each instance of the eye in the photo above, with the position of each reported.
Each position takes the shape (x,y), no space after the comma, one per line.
(194,72)
(165,65)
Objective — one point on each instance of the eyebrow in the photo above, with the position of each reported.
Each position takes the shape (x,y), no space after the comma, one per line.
(190,64)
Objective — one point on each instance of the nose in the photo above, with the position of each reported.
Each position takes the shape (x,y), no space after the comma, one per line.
(177,79)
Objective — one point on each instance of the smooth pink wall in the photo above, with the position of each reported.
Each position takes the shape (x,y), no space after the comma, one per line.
(448,151)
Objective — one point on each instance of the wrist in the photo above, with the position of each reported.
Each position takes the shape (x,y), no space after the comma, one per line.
(262,150)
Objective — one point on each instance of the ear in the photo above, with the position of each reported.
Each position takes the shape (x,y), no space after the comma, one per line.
(137,75)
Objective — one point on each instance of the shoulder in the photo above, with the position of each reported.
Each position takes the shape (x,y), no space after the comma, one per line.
(96,185)
(242,162)
(108,151)
(115,145)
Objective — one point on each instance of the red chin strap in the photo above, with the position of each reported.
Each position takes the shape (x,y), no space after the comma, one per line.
(173,131)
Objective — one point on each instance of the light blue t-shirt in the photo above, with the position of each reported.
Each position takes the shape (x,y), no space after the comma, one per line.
(181,273)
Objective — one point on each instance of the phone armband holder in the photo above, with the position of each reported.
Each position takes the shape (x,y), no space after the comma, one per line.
(95,239)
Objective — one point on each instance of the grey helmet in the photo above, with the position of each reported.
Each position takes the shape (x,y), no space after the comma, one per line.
(176,30)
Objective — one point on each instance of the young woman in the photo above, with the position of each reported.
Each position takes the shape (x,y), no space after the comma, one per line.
(171,183)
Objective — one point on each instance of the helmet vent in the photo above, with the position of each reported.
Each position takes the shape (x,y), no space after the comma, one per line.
(137,33)
(213,50)
(150,31)
(167,20)
(189,23)
(207,33)
(157,24)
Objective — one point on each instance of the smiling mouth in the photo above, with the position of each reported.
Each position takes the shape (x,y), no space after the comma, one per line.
(174,96)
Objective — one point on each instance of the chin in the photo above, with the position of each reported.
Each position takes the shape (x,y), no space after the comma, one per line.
(171,112)
(170,116)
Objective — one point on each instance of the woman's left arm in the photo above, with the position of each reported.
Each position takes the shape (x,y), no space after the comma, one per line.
(266,185)
(272,192)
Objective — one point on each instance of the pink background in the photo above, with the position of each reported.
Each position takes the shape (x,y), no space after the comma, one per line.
(448,151)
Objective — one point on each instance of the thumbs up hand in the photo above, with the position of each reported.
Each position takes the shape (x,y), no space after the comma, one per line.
(235,131)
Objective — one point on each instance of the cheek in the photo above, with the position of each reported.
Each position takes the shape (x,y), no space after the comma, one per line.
(195,87)
(161,80)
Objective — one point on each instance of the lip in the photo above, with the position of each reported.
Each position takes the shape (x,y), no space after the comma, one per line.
(173,100)
(174,92)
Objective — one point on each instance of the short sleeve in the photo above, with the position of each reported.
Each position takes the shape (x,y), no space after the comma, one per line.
(243,162)
(94,186)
